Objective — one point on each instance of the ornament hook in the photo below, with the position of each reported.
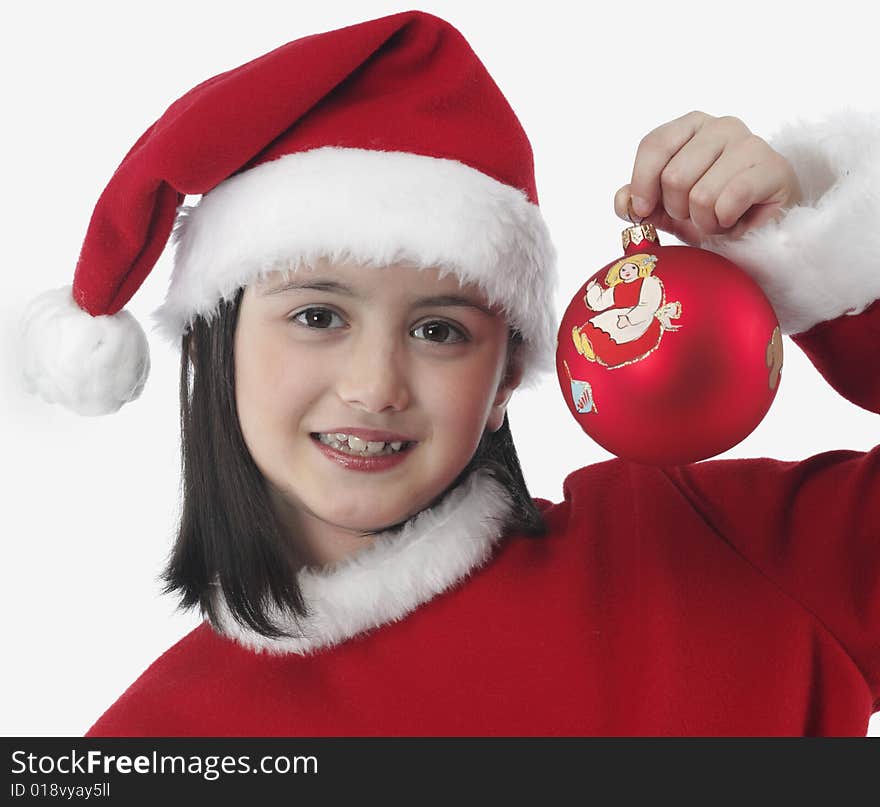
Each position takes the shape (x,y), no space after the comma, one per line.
(630,213)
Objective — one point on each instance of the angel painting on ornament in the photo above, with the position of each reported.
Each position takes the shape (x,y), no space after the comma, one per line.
(633,315)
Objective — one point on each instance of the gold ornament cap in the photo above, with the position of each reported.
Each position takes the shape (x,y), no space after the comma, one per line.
(638,233)
(634,236)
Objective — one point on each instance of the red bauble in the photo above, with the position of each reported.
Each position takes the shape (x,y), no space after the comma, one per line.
(668,355)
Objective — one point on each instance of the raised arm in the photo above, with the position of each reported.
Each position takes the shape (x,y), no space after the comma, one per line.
(813,526)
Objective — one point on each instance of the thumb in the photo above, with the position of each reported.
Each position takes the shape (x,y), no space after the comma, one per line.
(683,230)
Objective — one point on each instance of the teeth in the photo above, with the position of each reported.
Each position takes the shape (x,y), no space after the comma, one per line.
(355,445)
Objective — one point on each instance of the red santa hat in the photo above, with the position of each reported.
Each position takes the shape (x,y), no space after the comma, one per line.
(381,142)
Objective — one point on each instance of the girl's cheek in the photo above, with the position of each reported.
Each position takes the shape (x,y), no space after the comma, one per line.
(298,375)
(463,393)
(267,368)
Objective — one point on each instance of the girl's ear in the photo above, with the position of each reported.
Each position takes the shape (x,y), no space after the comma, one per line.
(512,377)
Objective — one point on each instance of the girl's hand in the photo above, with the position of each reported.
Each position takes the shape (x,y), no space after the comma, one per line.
(699,175)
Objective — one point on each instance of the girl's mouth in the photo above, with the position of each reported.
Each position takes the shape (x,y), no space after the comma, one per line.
(372,457)
(357,447)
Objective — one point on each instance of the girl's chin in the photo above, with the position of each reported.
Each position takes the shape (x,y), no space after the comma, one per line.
(362,516)
(366,520)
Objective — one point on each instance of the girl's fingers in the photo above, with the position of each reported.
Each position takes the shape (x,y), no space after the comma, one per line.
(748,200)
(683,230)
(752,198)
(727,182)
(655,150)
(672,158)
(722,179)
(684,170)
(758,184)
(620,199)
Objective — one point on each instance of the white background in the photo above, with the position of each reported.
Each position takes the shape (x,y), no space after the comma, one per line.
(91,503)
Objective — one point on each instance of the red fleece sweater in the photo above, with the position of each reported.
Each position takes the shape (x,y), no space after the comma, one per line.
(726,597)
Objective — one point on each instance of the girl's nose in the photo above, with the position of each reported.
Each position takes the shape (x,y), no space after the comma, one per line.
(375,377)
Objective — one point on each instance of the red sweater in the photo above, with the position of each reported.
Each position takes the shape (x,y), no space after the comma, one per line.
(726,597)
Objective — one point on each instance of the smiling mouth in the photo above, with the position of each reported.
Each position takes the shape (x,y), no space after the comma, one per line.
(355,447)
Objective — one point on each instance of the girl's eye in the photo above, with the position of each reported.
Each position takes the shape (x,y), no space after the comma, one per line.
(439,332)
(315,317)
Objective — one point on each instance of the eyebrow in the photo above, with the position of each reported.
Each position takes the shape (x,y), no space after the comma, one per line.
(341,288)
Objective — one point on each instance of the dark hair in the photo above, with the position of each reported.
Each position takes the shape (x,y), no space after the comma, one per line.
(228,535)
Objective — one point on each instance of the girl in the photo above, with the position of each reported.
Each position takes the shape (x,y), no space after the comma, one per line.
(364,283)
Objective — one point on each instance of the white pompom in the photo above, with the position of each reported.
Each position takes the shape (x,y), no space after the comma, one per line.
(91,365)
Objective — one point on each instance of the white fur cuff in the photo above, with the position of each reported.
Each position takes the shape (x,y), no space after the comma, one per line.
(821,259)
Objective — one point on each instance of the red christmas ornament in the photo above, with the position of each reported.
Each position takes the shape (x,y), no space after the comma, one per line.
(668,355)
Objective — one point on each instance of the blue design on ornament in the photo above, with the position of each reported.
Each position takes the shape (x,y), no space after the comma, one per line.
(582,395)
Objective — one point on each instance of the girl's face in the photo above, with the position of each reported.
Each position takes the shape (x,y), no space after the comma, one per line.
(629,271)
(345,347)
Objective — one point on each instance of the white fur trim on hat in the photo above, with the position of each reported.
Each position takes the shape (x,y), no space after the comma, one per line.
(378,208)
(820,259)
(91,365)
(394,575)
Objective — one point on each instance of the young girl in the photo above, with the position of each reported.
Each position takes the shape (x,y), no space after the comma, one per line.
(365,281)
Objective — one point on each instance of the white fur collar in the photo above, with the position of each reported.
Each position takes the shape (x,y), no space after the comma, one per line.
(394,575)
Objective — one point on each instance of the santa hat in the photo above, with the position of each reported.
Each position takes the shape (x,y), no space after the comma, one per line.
(381,142)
